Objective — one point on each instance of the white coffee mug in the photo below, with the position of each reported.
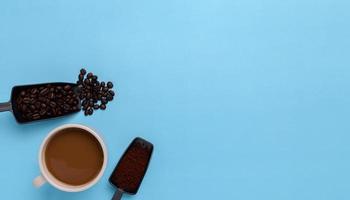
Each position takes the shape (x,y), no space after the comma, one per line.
(46,176)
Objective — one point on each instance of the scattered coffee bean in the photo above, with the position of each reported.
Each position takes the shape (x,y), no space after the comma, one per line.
(93,94)
(110,84)
(83,71)
(89,75)
(103,106)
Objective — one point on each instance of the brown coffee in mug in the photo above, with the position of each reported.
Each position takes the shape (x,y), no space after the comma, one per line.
(74,156)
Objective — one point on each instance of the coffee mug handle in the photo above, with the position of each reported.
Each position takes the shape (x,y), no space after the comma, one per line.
(39,181)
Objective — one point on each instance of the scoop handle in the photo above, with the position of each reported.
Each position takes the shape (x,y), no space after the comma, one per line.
(117,195)
(5,106)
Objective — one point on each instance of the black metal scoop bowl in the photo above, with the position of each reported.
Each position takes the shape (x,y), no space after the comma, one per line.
(131,168)
(13,105)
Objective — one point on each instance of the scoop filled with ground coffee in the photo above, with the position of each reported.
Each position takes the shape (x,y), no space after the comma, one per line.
(131,168)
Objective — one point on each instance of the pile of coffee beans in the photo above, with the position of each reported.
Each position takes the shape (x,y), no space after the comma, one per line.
(93,94)
(47,101)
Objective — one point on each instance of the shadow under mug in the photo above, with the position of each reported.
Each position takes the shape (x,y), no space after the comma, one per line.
(46,176)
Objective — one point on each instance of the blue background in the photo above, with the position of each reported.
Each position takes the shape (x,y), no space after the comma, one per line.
(243,99)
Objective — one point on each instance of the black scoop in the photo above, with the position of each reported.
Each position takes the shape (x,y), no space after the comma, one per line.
(131,168)
(53,111)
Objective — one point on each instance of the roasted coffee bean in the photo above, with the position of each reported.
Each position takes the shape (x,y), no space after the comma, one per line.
(89,75)
(109,97)
(32,107)
(104,100)
(36,116)
(23,93)
(24,108)
(90,111)
(34,91)
(86,81)
(51,95)
(66,107)
(110,85)
(96,106)
(83,71)
(37,104)
(42,112)
(103,106)
(44,91)
(111,92)
(67,88)
(26,100)
(53,104)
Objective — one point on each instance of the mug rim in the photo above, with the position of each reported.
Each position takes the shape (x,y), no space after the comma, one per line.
(53,181)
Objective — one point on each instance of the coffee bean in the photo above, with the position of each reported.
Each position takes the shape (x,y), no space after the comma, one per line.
(104,100)
(66,107)
(90,111)
(111,92)
(96,106)
(44,91)
(34,91)
(103,106)
(52,95)
(42,112)
(83,71)
(53,104)
(86,81)
(67,88)
(36,116)
(89,75)
(32,107)
(24,108)
(109,97)
(23,93)
(26,100)
(110,84)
